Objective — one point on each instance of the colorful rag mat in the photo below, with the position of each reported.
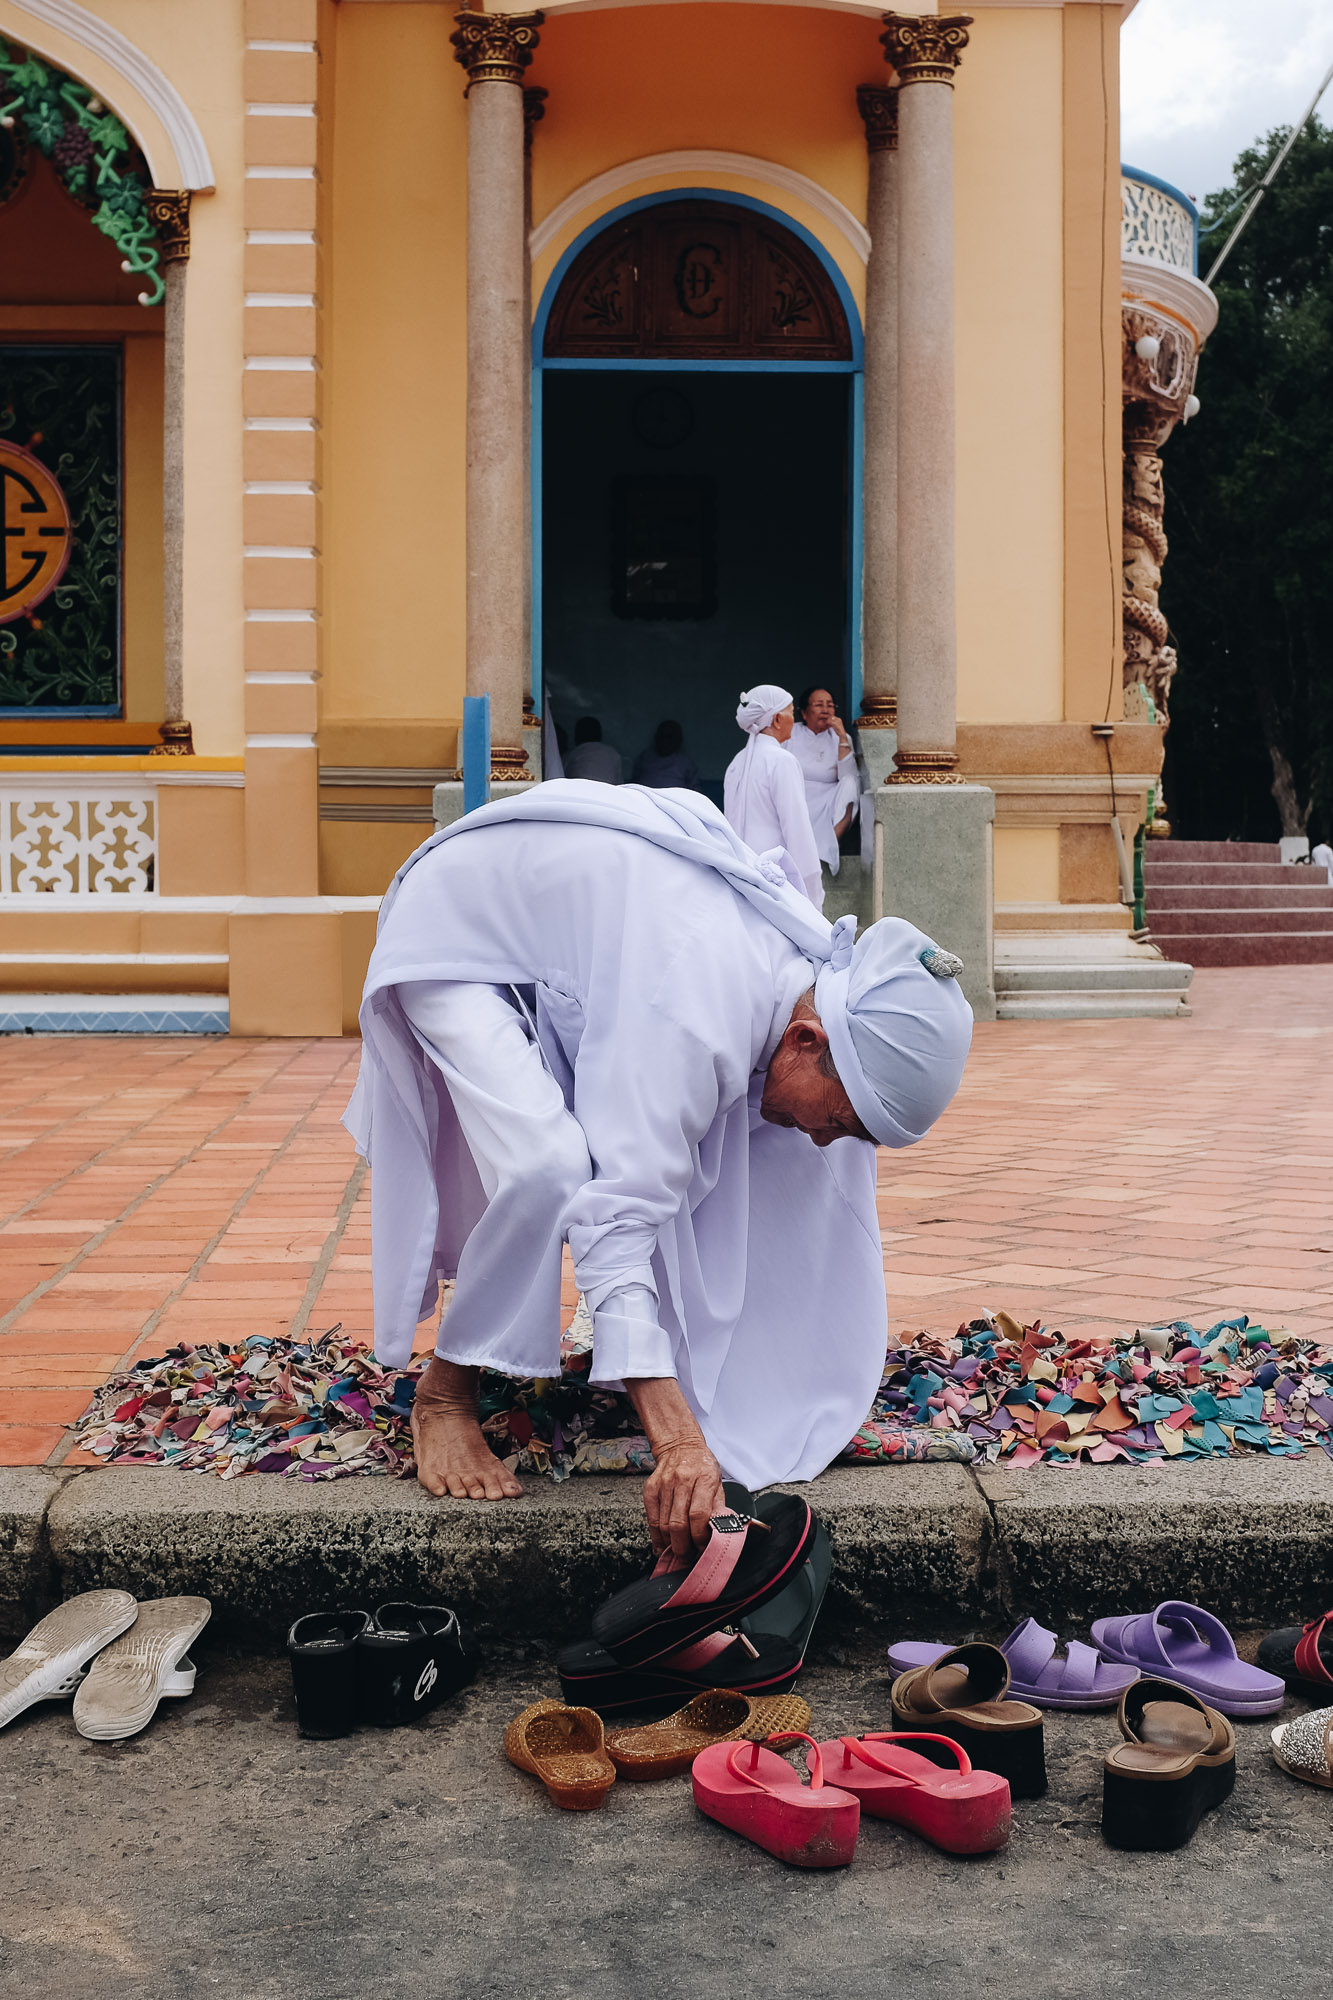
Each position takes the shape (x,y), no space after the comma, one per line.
(997,1392)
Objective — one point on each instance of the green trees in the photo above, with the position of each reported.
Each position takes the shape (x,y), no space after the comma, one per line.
(1248,583)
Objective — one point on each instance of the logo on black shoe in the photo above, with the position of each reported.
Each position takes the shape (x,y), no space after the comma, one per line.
(430,1673)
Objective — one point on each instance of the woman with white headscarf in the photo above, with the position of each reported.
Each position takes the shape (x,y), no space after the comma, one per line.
(823,749)
(764,792)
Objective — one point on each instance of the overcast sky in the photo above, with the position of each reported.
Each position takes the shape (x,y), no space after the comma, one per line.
(1201,79)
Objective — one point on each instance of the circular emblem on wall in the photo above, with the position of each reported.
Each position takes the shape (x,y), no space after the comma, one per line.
(35,532)
(15,160)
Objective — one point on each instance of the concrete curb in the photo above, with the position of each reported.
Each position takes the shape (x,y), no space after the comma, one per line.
(921,1549)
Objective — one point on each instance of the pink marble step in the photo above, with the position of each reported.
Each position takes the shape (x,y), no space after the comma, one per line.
(1213,850)
(1300,895)
(1271,873)
(1224,923)
(1247,948)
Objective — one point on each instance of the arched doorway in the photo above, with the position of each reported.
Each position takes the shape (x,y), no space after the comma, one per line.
(695,495)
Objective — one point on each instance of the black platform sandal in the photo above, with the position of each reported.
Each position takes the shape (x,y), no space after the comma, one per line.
(962,1695)
(1302,1655)
(322,1649)
(764,1654)
(747,1560)
(1177,1762)
(410,1657)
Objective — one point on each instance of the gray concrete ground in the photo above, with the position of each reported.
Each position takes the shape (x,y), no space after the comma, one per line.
(218,1853)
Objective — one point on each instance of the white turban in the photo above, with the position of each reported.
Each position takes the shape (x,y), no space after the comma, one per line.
(760,705)
(898,1025)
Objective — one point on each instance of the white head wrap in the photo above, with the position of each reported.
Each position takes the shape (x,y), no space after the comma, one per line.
(760,705)
(899,1028)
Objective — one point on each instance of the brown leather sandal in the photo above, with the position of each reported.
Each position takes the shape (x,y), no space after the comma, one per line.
(1177,1762)
(962,1695)
(566,1749)
(661,1749)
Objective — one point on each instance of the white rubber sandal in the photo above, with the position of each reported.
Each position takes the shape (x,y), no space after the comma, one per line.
(127,1681)
(48,1665)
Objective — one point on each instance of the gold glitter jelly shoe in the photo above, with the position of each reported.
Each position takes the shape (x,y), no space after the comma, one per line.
(1304,1748)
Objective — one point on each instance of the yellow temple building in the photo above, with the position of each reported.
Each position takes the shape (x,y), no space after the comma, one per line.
(360,355)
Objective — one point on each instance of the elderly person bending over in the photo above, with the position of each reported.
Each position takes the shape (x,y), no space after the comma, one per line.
(823,749)
(763,794)
(596,1017)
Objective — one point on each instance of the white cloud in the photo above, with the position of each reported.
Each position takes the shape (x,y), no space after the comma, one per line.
(1202,79)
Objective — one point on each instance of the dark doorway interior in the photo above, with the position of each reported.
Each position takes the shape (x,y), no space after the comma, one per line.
(693,543)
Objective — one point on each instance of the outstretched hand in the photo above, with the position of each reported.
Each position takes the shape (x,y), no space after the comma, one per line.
(681,1496)
(685,1490)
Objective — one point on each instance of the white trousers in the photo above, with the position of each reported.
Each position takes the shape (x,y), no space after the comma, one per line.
(531,1158)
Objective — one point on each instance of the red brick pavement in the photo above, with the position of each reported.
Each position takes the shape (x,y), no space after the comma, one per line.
(1092,1173)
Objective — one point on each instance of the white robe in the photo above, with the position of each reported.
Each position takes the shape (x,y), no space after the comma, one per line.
(660,967)
(764,798)
(831,785)
(1322,857)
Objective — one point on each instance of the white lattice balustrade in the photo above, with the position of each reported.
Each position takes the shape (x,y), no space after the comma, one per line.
(1155,225)
(77,840)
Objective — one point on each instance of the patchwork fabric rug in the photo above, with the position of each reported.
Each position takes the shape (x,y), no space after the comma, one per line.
(996,1392)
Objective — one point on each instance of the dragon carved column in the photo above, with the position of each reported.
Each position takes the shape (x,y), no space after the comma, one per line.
(1159,359)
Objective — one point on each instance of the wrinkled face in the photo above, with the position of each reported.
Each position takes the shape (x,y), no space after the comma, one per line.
(782,724)
(819,711)
(802,1091)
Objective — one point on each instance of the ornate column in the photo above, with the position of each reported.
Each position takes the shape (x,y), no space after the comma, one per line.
(925,50)
(534,110)
(169,213)
(495,49)
(933,853)
(878,105)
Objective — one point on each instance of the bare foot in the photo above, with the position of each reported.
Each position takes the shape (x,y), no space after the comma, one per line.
(452,1454)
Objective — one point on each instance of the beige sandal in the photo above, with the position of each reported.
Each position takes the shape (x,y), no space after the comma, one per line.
(962,1695)
(566,1749)
(661,1749)
(127,1681)
(49,1663)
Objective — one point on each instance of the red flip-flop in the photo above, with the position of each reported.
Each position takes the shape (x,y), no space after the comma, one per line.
(962,1811)
(745,1787)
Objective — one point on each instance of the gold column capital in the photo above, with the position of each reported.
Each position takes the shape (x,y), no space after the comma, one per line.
(169,213)
(925,48)
(495,48)
(878,106)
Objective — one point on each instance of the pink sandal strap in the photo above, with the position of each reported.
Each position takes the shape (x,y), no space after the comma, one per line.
(855,1746)
(718,1558)
(1309,1660)
(814,1763)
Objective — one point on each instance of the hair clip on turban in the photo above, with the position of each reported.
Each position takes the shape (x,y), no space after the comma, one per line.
(942,963)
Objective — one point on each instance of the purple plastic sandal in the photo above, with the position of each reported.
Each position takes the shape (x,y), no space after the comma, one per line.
(1182,1643)
(1082,1679)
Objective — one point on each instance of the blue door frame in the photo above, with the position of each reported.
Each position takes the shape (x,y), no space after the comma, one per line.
(855,368)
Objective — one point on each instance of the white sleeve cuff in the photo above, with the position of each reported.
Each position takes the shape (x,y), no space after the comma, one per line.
(628,1343)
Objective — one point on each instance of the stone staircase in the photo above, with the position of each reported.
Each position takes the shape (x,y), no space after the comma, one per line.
(1224,902)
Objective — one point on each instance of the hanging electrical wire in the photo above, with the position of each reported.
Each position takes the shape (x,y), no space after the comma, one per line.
(1268,178)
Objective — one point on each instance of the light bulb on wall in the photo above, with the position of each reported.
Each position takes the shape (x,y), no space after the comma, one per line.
(1191,407)
(1148,347)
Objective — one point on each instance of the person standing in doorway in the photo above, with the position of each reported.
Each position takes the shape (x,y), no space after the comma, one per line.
(590,757)
(764,794)
(665,763)
(823,749)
